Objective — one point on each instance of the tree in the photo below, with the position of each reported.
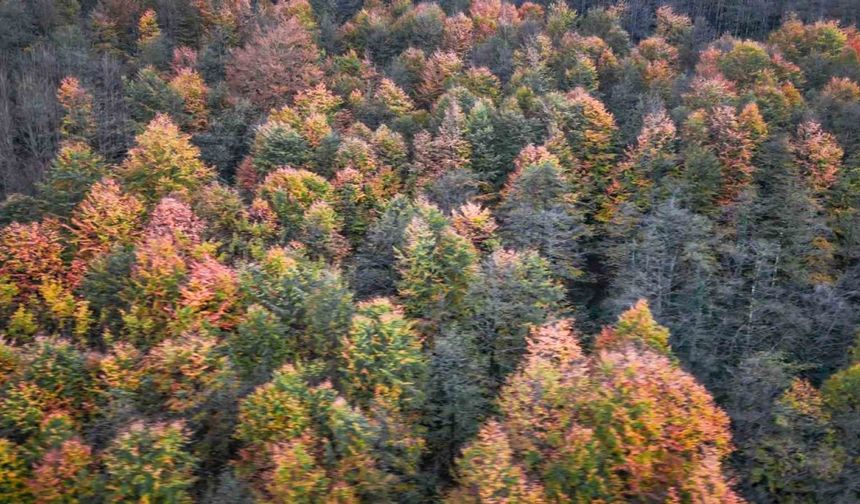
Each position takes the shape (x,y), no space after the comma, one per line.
(105,218)
(800,452)
(72,172)
(53,376)
(13,485)
(209,297)
(65,474)
(291,193)
(258,346)
(312,304)
(149,95)
(487,472)
(78,121)
(513,292)
(321,232)
(667,257)
(438,73)
(623,424)
(818,154)
(31,254)
(652,158)
(277,144)
(275,65)
(382,356)
(733,138)
(179,375)
(449,148)
(539,211)
(286,423)
(163,161)
(154,290)
(148,462)
(151,43)
(476,224)
(590,132)
(374,271)
(189,85)
(486,160)
(436,267)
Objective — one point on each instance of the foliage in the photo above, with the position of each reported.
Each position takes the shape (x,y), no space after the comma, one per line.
(329,251)
(164,160)
(275,65)
(148,462)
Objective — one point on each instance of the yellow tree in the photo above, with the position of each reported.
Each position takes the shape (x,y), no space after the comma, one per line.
(163,161)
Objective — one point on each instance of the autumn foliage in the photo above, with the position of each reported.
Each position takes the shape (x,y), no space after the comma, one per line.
(331,252)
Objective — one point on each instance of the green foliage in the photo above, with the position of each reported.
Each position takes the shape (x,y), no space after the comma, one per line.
(149,95)
(540,211)
(291,192)
(382,357)
(310,301)
(53,376)
(163,161)
(370,304)
(514,292)
(436,267)
(148,462)
(276,145)
(260,343)
(13,474)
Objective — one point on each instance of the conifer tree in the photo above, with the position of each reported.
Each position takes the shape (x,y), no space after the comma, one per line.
(278,144)
(382,356)
(514,292)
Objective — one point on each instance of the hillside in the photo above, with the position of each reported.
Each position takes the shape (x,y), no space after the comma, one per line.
(466,252)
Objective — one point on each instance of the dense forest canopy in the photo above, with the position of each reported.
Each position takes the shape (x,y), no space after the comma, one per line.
(332,251)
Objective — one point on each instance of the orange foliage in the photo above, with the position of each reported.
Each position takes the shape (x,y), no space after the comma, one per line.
(275,65)
(174,219)
(64,474)
(211,294)
(77,102)
(105,218)
(624,424)
(441,68)
(818,154)
(30,254)
(190,86)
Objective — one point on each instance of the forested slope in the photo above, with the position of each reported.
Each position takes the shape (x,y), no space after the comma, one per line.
(467,252)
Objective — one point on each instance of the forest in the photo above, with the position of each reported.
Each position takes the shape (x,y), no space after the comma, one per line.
(465,252)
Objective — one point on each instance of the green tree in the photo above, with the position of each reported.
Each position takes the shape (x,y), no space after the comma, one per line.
(539,211)
(436,267)
(72,172)
(382,356)
(149,463)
